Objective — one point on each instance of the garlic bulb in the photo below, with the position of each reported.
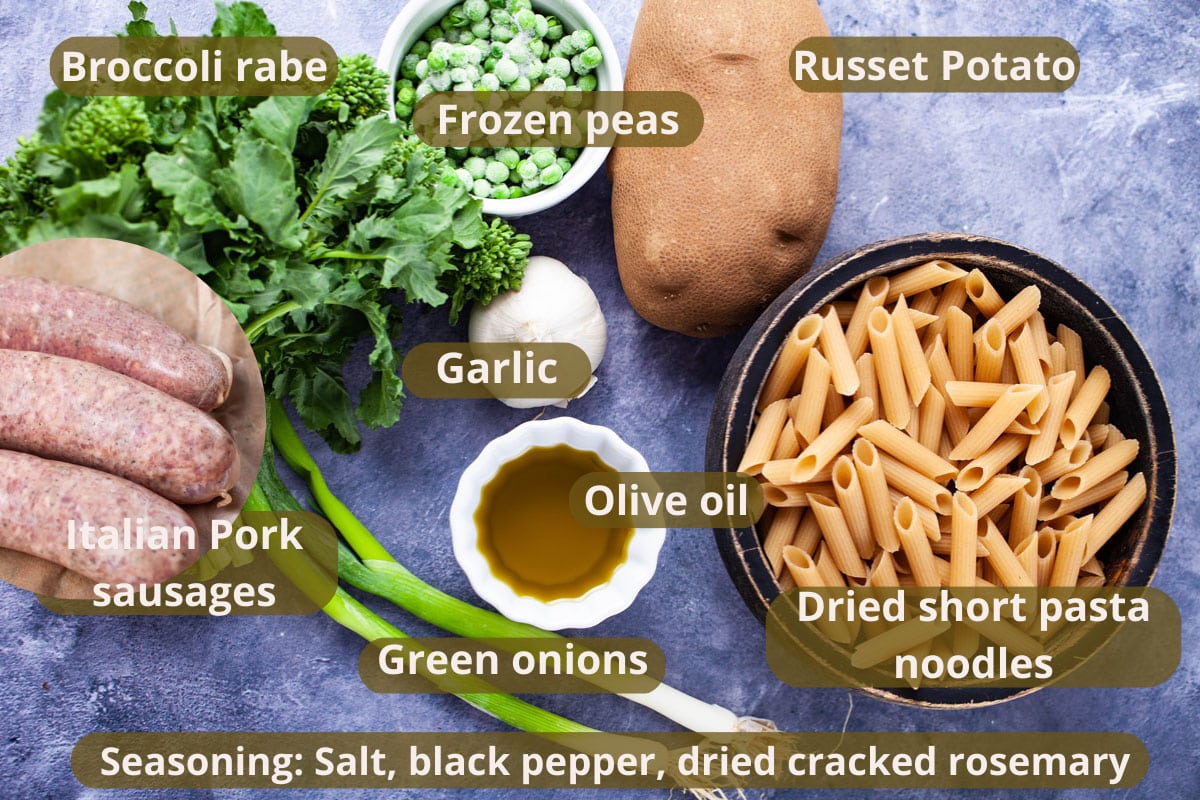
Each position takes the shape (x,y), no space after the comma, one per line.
(552,305)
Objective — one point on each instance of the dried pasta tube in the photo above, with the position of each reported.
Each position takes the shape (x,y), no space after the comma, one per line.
(981,470)
(872,296)
(1064,460)
(788,445)
(1084,406)
(1053,507)
(915,544)
(830,574)
(1027,556)
(806,417)
(983,294)
(848,492)
(926,276)
(779,535)
(1058,392)
(807,575)
(1097,434)
(883,571)
(963,538)
(791,360)
(907,450)
(912,357)
(953,295)
(1016,310)
(960,344)
(931,421)
(1073,345)
(875,493)
(1069,558)
(975,394)
(1095,470)
(1058,359)
(1001,557)
(921,488)
(990,347)
(763,439)
(792,494)
(957,421)
(832,441)
(868,386)
(833,344)
(834,406)
(1047,546)
(808,534)
(996,491)
(1041,341)
(992,424)
(928,516)
(1026,504)
(837,536)
(888,369)
(1023,350)
(1116,512)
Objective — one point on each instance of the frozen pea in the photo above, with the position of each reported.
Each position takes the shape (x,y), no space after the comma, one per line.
(458,56)
(424,90)
(458,75)
(553,84)
(563,48)
(433,34)
(532,185)
(501,193)
(496,172)
(542,157)
(554,29)
(472,73)
(527,170)
(476,166)
(501,16)
(538,48)
(540,26)
(534,69)
(464,176)
(507,70)
(587,83)
(502,33)
(481,29)
(466,37)
(521,84)
(403,110)
(515,192)
(436,62)
(420,49)
(564,164)
(496,50)
(518,52)
(490,82)
(489,65)
(526,20)
(508,157)
(451,35)
(474,56)
(558,67)
(477,151)
(406,95)
(582,39)
(497,4)
(475,10)
(570,153)
(551,175)
(518,5)
(408,65)
(481,188)
(578,67)
(422,70)
(440,81)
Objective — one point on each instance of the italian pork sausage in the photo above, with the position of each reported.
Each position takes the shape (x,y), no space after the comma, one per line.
(62,320)
(75,411)
(40,498)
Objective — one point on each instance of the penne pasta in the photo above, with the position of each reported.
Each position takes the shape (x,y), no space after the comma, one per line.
(1053,507)
(833,344)
(831,441)
(990,427)
(790,361)
(921,488)
(1023,350)
(982,294)
(1073,346)
(990,348)
(848,493)
(779,535)
(873,295)
(1084,406)
(960,344)
(810,410)
(907,450)
(996,491)
(808,534)
(931,420)
(1058,359)
(1069,556)
(1027,501)
(791,495)
(963,540)
(836,534)
(788,445)
(875,494)
(912,357)
(1058,392)
(1064,460)
(1003,560)
(957,421)
(867,385)
(1116,512)
(1095,470)
(926,276)
(915,544)
(888,369)
(763,439)
(981,470)
(1047,546)
(896,640)
(1010,316)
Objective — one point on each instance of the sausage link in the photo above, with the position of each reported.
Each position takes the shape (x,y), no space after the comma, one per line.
(62,320)
(39,498)
(74,411)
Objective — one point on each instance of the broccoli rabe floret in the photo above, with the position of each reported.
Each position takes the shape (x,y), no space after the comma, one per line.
(359,91)
(110,130)
(481,273)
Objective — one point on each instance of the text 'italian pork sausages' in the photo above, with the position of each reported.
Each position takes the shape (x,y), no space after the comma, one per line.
(75,411)
(62,320)
(39,498)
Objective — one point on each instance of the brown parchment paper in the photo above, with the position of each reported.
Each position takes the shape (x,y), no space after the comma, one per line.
(168,290)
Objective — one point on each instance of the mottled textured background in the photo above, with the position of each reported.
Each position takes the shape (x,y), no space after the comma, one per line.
(1102,179)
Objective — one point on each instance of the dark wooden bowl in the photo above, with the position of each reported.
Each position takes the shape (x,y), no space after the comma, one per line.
(1136,399)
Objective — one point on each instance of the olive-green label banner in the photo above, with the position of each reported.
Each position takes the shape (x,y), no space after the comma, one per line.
(193,65)
(666,500)
(466,370)
(875,760)
(935,64)
(973,638)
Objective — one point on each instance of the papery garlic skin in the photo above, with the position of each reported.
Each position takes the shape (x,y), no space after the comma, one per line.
(552,305)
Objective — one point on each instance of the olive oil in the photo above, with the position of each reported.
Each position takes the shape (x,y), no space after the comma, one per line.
(528,535)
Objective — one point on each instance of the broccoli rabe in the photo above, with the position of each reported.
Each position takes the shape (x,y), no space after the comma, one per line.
(359,91)
(495,266)
(109,131)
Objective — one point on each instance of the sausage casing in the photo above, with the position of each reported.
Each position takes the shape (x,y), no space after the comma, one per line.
(39,498)
(63,320)
(71,410)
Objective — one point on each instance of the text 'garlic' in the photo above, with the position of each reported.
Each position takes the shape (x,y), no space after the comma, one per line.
(552,305)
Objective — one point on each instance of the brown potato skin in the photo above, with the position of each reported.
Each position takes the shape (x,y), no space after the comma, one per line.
(49,317)
(707,235)
(70,410)
(38,497)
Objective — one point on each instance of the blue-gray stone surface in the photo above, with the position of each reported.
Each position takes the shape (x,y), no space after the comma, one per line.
(1103,179)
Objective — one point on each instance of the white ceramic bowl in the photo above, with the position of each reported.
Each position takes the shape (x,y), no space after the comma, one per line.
(603,601)
(418,15)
